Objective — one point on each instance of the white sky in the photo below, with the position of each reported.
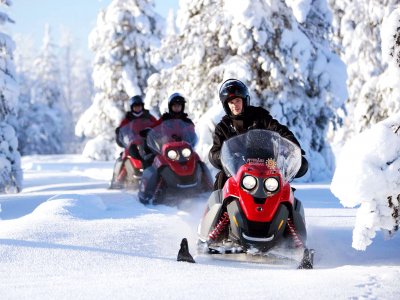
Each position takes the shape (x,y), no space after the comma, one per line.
(78,16)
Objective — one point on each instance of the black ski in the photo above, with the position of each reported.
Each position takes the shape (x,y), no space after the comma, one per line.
(184,254)
(308,259)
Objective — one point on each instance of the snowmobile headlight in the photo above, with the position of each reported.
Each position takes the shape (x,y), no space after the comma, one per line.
(172,154)
(249,182)
(271,184)
(186,152)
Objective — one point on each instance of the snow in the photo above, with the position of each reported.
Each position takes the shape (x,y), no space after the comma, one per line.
(300,8)
(390,53)
(288,65)
(367,173)
(67,236)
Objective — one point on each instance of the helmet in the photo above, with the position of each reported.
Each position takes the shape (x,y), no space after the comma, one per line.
(136,100)
(233,88)
(176,98)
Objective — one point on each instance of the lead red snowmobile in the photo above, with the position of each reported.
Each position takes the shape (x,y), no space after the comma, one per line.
(256,212)
(130,172)
(176,166)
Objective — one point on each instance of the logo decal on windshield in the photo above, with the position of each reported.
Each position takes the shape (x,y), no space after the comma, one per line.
(270,163)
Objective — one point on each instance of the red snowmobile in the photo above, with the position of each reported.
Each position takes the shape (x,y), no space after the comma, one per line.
(256,213)
(176,166)
(129,167)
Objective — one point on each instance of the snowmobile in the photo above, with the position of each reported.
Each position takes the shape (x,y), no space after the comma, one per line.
(128,168)
(256,213)
(176,167)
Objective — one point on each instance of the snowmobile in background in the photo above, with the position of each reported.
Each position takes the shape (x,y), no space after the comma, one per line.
(176,167)
(256,213)
(128,168)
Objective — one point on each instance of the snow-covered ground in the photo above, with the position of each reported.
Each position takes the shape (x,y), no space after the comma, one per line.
(67,237)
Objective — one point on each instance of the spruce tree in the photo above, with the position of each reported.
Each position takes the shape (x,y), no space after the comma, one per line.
(10,160)
(357,32)
(122,40)
(283,53)
(41,116)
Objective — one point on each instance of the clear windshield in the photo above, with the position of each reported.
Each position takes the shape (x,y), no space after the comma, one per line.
(260,146)
(130,131)
(171,131)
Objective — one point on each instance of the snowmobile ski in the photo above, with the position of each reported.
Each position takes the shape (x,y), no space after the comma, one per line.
(184,254)
(308,259)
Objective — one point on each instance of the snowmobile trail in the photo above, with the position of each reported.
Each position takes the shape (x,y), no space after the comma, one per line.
(100,244)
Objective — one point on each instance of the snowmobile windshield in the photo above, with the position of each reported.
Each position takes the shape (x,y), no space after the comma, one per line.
(174,130)
(260,146)
(130,131)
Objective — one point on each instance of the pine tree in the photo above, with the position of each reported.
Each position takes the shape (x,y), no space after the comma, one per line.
(77,86)
(124,36)
(374,155)
(390,34)
(282,53)
(10,160)
(40,114)
(357,30)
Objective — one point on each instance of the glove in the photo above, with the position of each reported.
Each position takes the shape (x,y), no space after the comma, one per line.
(143,133)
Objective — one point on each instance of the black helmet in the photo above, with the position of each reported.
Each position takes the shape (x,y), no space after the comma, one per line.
(233,88)
(176,98)
(136,100)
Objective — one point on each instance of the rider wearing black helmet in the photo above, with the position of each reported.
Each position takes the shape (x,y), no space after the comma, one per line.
(176,109)
(241,117)
(137,111)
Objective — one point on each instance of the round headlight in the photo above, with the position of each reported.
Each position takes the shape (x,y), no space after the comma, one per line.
(186,152)
(271,184)
(172,154)
(249,182)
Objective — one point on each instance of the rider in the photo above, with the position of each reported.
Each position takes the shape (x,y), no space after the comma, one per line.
(137,111)
(241,117)
(176,109)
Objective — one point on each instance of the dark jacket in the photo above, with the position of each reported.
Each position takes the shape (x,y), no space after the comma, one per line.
(171,116)
(252,118)
(129,116)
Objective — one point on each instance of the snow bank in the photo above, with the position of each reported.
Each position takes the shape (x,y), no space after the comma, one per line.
(70,206)
(367,173)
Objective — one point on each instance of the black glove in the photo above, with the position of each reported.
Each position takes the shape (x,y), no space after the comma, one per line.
(143,133)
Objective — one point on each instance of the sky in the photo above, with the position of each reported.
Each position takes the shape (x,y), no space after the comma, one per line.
(66,236)
(77,16)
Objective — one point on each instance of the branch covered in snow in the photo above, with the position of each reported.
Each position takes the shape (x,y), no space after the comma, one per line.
(368,174)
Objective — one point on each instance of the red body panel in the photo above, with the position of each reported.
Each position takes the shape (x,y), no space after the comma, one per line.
(136,163)
(184,168)
(253,211)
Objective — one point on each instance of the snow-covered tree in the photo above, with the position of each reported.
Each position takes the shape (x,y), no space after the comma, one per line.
(40,114)
(357,31)
(125,34)
(280,49)
(10,160)
(77,85)
(368,169)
